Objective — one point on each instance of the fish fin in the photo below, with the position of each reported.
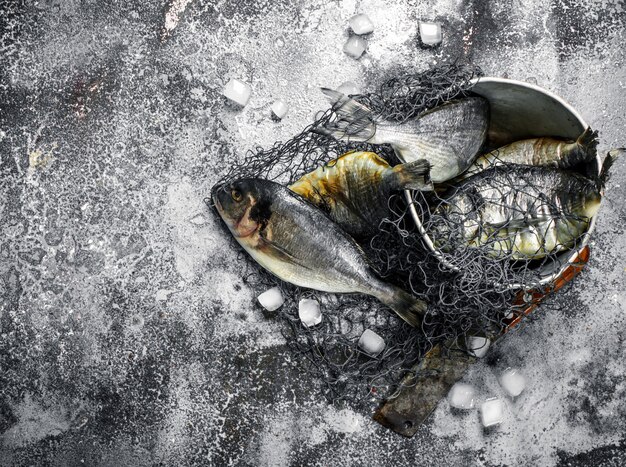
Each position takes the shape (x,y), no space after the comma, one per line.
(276,251)
(580,151)
(354,120)
(413,175)
(588,141)
(607,164)
(406,306)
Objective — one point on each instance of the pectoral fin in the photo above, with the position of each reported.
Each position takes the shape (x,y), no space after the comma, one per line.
(275,251)
(413,176)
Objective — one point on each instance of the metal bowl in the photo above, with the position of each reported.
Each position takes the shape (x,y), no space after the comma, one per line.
(518,111)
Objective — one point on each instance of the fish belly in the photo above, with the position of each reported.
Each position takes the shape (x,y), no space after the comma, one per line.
(524,213)
(303,276)
(301,245)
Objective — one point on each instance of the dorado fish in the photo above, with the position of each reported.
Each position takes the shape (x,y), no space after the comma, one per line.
(541,152)
(354,189)
(519,212)
(298,243)
(448,137)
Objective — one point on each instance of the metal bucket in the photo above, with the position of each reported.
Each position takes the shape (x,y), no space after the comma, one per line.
(518,111)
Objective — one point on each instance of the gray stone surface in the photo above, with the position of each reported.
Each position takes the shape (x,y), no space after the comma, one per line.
(127,336)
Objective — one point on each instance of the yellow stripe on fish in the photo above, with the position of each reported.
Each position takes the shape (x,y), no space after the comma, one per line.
(354,189)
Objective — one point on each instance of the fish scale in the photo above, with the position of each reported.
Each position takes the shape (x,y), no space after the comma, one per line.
(354,189)
(298,243)
(545,151)
(520,211)
(448,137)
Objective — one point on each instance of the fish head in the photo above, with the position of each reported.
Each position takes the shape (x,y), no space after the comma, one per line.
(243,205)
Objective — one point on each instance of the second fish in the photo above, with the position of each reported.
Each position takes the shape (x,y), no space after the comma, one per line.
(448,137)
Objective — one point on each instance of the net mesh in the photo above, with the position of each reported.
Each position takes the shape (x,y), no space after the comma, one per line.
(469,289)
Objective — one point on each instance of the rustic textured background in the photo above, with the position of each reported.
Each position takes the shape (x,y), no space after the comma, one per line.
(127,336)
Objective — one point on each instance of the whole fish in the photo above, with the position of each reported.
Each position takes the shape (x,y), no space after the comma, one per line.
(448,137)
(298,243)
(354,189)
(541,152)
(519,212)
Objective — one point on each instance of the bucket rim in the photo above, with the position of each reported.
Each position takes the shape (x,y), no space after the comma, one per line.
(574,253)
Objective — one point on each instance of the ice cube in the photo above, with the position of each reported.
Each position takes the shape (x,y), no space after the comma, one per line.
(271,299)
(491,412)
(513,382)
(371,343)
(478,346)
(279,109)
(348,88)
(361,24)
(309,312)
(355,46)
(430,33)
(237,91)
(461,396)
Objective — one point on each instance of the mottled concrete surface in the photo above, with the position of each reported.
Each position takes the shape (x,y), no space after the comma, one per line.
(127,336)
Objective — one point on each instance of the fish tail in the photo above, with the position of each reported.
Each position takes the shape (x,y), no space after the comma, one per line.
(580,151)
(607,164)
(585,147)
(406,306)
(354,122)
(413,176)
(588,141)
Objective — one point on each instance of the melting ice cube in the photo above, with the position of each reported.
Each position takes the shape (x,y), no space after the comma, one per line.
(355,46)
(361,24)
(271,299)
(309,312)
(237,91)
(371,343)
(279,108)
(348,88)
(430,33)
(461,396)
(478,346)
(513,382)
(491,412)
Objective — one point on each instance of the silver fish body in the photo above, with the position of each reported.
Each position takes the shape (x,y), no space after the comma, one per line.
(518,212)
(544,151)
(298,243)
(448,137)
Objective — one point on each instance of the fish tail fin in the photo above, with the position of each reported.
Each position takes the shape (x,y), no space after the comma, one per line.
(588,141)
(610,158)
(354,122)
(585,147)
(406,306)
(412,176)
(580,151)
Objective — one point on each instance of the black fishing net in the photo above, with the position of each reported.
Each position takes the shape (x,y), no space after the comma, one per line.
(471,291)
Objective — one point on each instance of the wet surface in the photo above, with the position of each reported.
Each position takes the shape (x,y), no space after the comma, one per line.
(128,335)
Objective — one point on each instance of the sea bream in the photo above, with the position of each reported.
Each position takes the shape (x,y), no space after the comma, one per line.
(448,137)
(519,212)
(298,243)
(355,188)
(546,151)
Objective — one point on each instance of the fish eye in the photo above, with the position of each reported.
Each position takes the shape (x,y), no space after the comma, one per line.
(236,195)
